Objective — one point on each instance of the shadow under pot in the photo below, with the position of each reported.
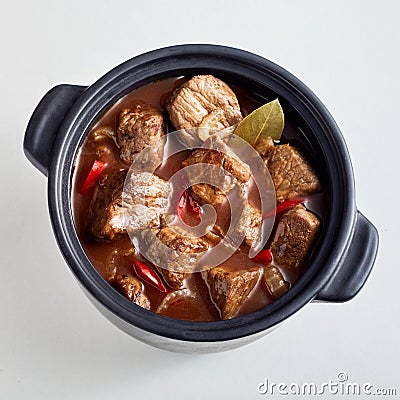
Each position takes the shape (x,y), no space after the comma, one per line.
(342,257)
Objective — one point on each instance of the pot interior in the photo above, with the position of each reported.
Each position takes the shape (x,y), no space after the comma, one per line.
(311,129)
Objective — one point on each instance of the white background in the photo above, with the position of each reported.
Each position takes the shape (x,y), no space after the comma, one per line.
(53,343)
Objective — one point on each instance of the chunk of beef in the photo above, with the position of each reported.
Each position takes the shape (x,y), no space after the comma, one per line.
(132,289)
(293,237)
(213,120)
(146,200)
(181,241)
(214,235)
(173,278)
(204,100)
(177,251)
(230,287)
(252,227)
(138,127)
(274,281)
(223,158)
(106,215)
(263,145)
(245,226)
(291,173)
(231,171)
(116,258)
(208,194)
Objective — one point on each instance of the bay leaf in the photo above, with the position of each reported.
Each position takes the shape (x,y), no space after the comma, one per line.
(267,120)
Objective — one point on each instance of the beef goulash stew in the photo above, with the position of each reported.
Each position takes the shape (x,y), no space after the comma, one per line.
(239,285)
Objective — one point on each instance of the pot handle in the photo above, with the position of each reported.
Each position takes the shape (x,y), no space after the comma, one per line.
(45,122)
(355,266)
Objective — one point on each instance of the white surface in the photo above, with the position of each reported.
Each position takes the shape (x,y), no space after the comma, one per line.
(53,343)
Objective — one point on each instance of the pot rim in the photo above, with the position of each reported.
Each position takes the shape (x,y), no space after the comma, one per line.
(151,66)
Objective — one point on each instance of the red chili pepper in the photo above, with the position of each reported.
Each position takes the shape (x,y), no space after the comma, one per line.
(264,256)
(193,205)
(286,205)
(148,275)
(97,169)
(187,203)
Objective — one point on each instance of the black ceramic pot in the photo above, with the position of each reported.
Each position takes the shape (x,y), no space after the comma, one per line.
(342,260)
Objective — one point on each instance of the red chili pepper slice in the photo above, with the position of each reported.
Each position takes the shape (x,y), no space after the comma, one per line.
(187,204)
(193,205)
(148,275)
(284,206)
(97,169)
(264,256)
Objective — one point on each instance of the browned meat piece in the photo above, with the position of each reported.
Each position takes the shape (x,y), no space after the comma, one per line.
(208,194)
(246,226)
(146,200)
(115,258)
(229,162)
(274,281)
(106,214)
(293,237)
(138,127)
(181,241)
(174,279)
(252,228)
(230,287)
(213,119)
(229,166)
(132,289)
(214,235)
(291,173)
(240,170)
(263,145)
(179,258)
(204,100)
